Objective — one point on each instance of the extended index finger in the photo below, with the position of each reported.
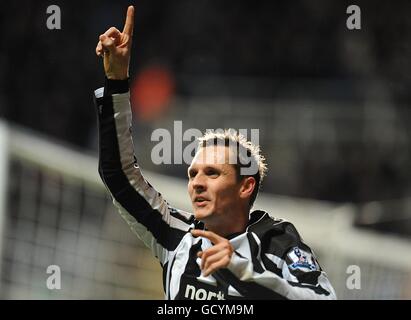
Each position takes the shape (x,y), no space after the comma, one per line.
(214,238)
(129,24)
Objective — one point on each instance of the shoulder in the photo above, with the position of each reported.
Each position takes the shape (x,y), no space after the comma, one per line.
(279,238)
(275,235)
(262,223)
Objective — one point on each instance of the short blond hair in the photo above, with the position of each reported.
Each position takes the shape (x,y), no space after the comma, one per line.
(247,150)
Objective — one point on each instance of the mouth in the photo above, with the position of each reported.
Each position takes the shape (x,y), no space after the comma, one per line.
(200,201)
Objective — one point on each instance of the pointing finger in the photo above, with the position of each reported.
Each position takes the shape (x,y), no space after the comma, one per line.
(129,24)
(214,238)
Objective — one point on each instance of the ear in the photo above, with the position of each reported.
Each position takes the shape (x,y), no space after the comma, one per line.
(247,187)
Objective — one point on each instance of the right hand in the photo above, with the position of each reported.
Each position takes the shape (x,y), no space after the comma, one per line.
(115,46)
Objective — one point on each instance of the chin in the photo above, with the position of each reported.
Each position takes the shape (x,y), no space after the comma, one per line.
(202,213)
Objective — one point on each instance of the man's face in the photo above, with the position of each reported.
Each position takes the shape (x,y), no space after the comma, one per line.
(213,185)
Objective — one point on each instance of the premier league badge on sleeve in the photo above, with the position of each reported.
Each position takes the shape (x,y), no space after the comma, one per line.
(302,260)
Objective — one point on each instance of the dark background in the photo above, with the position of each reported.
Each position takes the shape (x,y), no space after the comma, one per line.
(283,50)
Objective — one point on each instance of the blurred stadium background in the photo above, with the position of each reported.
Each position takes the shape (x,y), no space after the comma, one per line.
(332,107)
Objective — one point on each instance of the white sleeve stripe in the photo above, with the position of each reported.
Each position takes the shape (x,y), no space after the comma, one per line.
(121,106)
(243,269)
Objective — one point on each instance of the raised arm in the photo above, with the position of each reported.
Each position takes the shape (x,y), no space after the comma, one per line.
(158,225)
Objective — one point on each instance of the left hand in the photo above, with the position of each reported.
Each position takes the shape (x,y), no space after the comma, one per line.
(216,257)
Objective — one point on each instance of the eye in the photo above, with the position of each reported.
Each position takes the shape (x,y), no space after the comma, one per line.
(212,172)
(192,173)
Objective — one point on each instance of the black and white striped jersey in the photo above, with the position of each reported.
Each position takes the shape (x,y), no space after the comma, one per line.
(270,259)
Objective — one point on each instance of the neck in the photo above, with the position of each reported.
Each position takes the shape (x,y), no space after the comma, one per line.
(228,226)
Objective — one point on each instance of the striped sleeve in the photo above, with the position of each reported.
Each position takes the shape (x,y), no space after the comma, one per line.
(158,225)
(283,267)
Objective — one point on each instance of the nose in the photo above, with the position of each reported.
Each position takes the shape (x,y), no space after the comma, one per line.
(198,183)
